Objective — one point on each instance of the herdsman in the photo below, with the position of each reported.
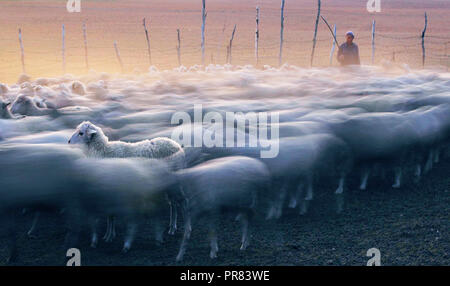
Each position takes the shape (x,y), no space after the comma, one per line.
(348,53)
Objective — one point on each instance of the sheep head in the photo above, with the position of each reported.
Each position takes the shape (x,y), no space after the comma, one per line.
(78,88)
(86,133)
(22,104)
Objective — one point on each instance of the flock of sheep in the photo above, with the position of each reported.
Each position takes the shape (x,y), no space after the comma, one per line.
(98,148)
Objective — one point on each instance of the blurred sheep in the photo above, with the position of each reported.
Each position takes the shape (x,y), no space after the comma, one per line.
(230,183)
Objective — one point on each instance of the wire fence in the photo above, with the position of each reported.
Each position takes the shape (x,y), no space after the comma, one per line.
(45,55)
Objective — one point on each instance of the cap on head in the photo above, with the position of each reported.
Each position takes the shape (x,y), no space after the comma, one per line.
(350,33)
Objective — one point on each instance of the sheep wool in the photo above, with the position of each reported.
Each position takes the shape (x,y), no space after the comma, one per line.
(98,145)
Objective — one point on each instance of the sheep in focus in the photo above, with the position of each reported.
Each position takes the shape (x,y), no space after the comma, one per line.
(97,144)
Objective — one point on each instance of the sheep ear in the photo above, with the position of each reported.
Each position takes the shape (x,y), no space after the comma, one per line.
(91,133)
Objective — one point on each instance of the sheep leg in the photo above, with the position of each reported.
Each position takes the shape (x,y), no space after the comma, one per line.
(173,217)
(418,173)
(309,190)
(364,178)
(341,183)
(245,223)
(429,163)
(437,155)
(129,236)
(339,194)
(186,237)
(94,230)
(108,229)
(113,227)
(213,239)
(309,195)
(294,198)
(186,218)
(158,231)
(34,224)
(278,204)
(398,178)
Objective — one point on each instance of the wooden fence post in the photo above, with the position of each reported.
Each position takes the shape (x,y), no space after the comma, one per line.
(315,32)
(148,42)
(333,47)
(64,48)
(204,14)
(85,46)
(118,56)
(179,47)
(280,55)
(257,37)
(22,52)
(423,40)
(373,41)
(231,45)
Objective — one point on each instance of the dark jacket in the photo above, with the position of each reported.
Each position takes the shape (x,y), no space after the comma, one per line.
(351,54)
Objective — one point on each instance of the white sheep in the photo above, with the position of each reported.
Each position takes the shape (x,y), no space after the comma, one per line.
(25,105)
(78,88)
(98,145)
(4,111)
(23,78)
(3,89)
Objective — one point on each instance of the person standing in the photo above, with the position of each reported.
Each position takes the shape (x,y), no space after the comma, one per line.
(348,53)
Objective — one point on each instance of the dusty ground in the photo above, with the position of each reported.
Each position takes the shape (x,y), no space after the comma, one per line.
(120,20)
(410,226)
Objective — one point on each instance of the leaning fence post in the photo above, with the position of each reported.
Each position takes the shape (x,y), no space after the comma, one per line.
(315,32)
(333,47)
(85,46)
(257,36)
(203,30)
(64,48)
(179,47)
(148,42)
(280,55)
(373,41)
(118,55)
(231,45)
(423,39)
(22,52)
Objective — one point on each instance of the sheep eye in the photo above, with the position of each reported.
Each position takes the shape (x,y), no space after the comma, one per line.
(81,133)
